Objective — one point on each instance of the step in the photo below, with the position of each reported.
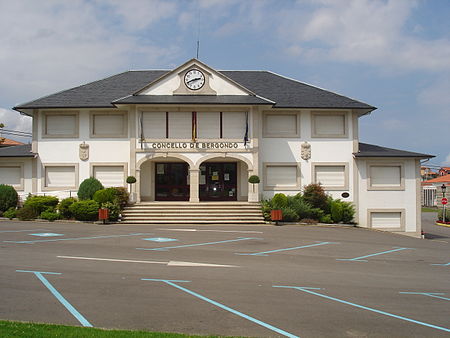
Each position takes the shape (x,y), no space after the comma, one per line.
(191,222)
(194,217)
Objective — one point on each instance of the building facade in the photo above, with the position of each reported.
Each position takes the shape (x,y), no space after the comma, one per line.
(196,134)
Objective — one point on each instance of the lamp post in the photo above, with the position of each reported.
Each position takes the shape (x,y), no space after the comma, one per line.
(443,187)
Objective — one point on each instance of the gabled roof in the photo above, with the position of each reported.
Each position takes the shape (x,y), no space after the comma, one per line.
(193,99)
(371,150)
(440,179)
(17,151)
(285,92)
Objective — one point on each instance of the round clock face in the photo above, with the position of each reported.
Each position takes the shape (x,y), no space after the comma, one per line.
(194,79)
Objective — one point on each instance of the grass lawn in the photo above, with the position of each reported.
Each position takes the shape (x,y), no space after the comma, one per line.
(10,329)
(425,209)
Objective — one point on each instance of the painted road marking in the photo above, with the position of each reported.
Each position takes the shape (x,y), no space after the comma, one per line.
(46,234)
(198,244)
(75,239)
(308,290)
(429,294)
(193,230)
(359,259)
(39,274)
(224,307)
(264,253)
(160,239)
(21,230)
(446,264)
(170,263)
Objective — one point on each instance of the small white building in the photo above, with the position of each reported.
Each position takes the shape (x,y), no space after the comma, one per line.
(196,134)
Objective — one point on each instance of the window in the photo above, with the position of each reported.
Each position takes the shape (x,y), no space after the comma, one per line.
(60,125)
(180,125)
(329,124)
(110,175)
(332,176)
(233,125)
(109,124)
(208,125)
(386,176)
(12,174)
(154,125)
(388,219)
(60,176)
(281,176)
(281,125)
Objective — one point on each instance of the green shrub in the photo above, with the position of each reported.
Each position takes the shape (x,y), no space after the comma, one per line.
(289,215)
(8,197)
(26,213)
(122,196)
(86,210)
(447,214)
(64,205)
(315,195)
(348,213)
(254,179)
(302,209)
(279,201)
(10,213)
(88,188)
(41,203)
(105,195)
(113,210)
(131,179)
(336,211)
(326,219)
(266,207)
(49,216)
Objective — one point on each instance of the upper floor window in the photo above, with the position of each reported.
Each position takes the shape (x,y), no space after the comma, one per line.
(329,124)
(109,124)
(386,176)
(284,124)
(60,124)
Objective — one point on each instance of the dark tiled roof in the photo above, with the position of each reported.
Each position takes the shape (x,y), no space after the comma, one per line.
(17,151)
(189,99)
(371,150)
(286,93)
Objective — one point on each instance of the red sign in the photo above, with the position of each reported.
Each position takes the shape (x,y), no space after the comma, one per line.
(444,200)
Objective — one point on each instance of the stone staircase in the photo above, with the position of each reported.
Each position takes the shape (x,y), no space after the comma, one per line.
(190,213)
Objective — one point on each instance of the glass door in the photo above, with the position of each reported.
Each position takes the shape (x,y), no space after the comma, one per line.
(171,182)
(218,181)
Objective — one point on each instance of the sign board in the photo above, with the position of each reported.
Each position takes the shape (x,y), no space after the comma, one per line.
(444,201)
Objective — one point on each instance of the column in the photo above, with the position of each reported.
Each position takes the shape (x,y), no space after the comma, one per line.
(138,185)
(194,178)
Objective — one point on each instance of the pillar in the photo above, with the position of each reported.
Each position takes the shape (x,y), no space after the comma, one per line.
(194,178)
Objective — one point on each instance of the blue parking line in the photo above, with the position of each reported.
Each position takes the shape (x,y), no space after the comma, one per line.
(359,259)
(74,239)
(83,321)
(224,307)
(264,253)
(165,248)
(445,264)
(429,294)
(308,290)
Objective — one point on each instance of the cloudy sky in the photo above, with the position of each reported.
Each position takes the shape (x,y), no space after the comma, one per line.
(393,54)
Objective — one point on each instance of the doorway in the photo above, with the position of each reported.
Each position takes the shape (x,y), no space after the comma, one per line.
(218,181)
(171,182)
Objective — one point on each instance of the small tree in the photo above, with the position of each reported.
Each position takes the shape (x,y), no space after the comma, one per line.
(131,180)
(254,179)
(88,188)
(8,197)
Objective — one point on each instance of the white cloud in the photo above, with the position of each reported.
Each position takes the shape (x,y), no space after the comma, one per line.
(15,121)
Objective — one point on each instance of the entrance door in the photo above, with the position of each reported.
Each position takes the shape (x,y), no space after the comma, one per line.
(218,181)
(171,182)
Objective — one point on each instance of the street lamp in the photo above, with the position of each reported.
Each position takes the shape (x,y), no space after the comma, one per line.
(443,187)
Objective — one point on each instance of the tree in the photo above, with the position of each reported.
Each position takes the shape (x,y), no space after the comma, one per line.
(2,139)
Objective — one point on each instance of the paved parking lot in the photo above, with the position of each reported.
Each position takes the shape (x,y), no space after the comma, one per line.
(261,281)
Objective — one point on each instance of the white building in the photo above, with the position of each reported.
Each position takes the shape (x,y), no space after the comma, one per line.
(197,134)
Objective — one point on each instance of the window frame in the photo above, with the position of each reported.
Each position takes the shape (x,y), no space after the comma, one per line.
(328,113)
(44,186)
(124,165)
(331,164)
(277,187)
(21,185)
(93,114)
(45,115)
(268,134)
(402,218)
(400,187)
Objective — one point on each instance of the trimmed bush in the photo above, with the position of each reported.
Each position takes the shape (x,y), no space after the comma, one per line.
(315,195)
(279,201)
(105,195)
(131,179)
(122,196)
(10,213)
(348,213)
(88,188)
(8,197)
(86,210)
(64,205)
(26,213)
(49,216)
(41,203)
(113,210)
(254,179)
(336,211)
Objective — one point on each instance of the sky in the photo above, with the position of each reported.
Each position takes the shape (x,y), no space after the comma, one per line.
(392,54)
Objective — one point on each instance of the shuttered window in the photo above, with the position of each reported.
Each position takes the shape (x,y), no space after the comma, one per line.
(281,125)
(11,175)
(109,125)
(60,176)
(154,125)
(331,176)
(385,176)
(110,176)
(385,220)
(208,125)
(328,125)
(281,177)
(64,125)
(180,125)
(233,125)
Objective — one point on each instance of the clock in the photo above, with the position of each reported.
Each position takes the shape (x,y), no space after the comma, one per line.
(194,79)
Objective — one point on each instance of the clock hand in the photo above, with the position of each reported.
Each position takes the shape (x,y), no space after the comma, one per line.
(197,78)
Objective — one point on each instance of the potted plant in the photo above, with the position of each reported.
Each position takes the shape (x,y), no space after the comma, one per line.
(131,180)
(254,179)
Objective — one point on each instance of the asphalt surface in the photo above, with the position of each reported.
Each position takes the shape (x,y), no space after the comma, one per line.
(260,281)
